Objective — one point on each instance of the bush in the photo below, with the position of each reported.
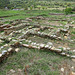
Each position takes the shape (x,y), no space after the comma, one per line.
(68,10)
(31,7)
(26,8)
(73,9)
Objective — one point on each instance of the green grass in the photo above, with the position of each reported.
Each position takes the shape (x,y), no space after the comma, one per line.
(26,13)
(42,61)
(29,13)
(1,31)
(73,32)
(9,12)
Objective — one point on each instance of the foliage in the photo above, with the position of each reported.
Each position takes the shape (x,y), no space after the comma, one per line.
(39,7)
(4,3)
(73,9)
(68,10)
(31,7)
(26,7)
(11,4)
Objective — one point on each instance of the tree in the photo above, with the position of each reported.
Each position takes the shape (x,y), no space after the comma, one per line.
(4,3)
(39,7)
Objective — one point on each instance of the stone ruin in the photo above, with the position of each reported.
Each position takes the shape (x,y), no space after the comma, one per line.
(20,30)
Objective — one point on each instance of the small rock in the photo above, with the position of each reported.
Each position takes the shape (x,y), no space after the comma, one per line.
(5,45)
(72,73)
(53,48)
(63,54)
(65,37)
(51,35)
(64,49)
(42,45)
(72,67)
(11,34)
(54,36)
(13,71)
(1,41)
(38,32)
(19,70)
(68,48)
(73,51)
(14,40)
(71,40)
(4,51)
(34,43)
(0,55)
(73,60)
(30,41)
(9,39)
(57,50)
(67,55)
(72,22)
(17,49)
(50,47)
(59,38)
(47,46)
(26,40)
(50,43)
(62,69)
(73,57)
(10,49)
(38,44)
(2,47)
(64,30)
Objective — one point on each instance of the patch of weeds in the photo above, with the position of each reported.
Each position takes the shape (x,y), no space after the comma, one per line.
(63,22)
(43,15)
(1,44)
(69,52)
(55,60)
(7,22)
(24,42)
(61,48)
(73,37)
(73,32)
(1,31)
(72,45)
(54,73)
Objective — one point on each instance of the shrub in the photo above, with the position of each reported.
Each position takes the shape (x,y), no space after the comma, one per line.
(31,7)
(68,10)
(26,8)
(73,9)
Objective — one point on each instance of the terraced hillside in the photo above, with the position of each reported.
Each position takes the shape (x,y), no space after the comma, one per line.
(38,44)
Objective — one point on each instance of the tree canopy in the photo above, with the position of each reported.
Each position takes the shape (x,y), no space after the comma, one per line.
(26,3)
(4,3)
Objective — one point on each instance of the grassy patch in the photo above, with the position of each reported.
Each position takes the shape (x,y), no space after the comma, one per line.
(42,61)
